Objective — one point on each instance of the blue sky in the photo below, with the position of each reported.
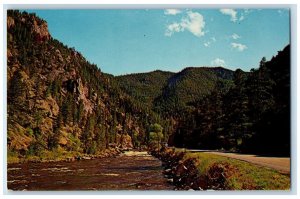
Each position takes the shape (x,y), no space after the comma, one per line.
(133,41)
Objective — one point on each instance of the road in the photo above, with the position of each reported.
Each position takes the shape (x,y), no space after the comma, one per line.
(281,164)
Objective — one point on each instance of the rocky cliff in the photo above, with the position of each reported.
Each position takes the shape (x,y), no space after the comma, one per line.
(57,99)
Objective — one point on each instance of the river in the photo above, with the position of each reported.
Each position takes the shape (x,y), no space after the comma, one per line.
(131,170)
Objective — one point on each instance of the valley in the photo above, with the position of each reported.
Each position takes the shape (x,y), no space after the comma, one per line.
(71,126)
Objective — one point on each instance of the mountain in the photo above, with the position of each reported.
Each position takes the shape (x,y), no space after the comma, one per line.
(144,87)
(58,102)
(189,86)
(253,116)
(168,92)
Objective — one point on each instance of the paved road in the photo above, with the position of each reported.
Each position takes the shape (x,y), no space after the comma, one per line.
(281,164)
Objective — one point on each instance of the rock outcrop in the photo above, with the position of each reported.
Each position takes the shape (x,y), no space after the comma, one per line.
(40,29)
(185,175)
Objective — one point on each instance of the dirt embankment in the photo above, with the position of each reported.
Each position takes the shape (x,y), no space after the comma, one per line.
(185,175)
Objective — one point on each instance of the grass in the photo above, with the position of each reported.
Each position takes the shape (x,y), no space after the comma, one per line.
(244,175)
(12,157)
(57,154)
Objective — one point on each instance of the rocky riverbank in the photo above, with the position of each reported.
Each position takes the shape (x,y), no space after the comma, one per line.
(184,173)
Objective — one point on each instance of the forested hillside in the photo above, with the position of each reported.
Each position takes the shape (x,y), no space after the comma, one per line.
(253,116)
(216,108)
(171,93)
(190,85)
(144,87)
(58,102)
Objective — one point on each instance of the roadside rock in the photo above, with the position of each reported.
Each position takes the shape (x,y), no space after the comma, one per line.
(217,175)
(184,174)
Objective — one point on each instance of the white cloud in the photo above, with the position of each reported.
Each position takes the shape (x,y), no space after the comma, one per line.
(245,13)
(206,44)
(235,36)
(194,23)
(237,16)
(218,62)
(231,12)
(172,11)
(174,27)
(239,47)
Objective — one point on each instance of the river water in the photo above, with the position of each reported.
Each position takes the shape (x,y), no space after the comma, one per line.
(128,171)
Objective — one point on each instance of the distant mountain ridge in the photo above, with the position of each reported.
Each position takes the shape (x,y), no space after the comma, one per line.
(144,87)
(169,91)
